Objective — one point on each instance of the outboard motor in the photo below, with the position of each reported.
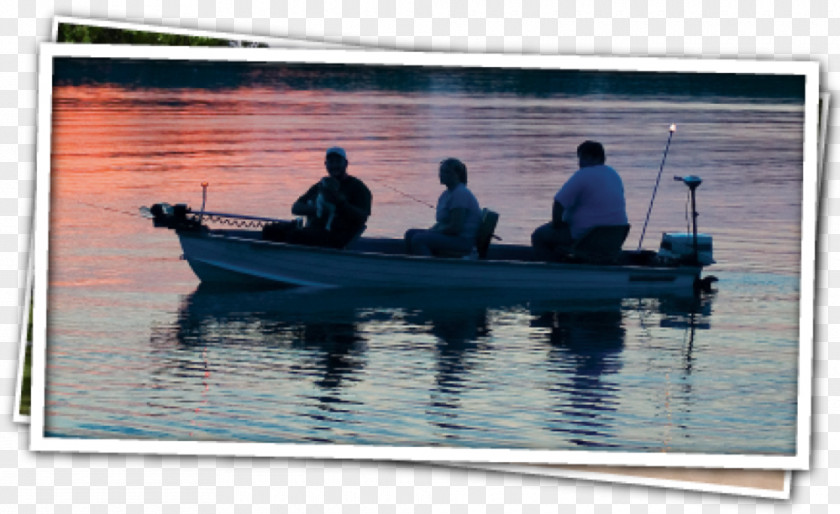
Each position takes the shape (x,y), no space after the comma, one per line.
(693,249)
(685,248)
(678,248)
(162,214)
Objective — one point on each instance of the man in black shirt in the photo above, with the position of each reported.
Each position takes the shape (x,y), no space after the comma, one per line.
(335,214)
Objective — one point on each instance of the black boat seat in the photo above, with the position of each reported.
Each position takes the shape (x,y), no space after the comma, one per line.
(483,236)
(489,220)
(598,245)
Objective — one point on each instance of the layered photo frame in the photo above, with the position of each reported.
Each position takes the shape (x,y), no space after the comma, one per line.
(388,88)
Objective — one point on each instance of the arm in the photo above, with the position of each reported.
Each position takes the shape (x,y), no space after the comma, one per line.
(567,199)
(305,205)
(453,226)
(356,211)
(557,215)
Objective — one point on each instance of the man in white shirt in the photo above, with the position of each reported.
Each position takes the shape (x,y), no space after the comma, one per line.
(593,196)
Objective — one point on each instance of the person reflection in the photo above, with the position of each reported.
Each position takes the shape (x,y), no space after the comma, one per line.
(460,333)
(586,346)
(336,350)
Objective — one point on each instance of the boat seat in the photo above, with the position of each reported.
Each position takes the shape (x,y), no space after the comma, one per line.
(489,220)
(483,236)
(598,245)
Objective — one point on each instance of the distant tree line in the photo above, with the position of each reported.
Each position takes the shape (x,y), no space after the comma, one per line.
(69,33)
(26,381)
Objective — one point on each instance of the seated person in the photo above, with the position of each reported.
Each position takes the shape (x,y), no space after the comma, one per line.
(457,219)
(337,208)
(593,196)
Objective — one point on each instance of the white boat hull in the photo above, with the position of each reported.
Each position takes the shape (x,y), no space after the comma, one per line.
(224,259)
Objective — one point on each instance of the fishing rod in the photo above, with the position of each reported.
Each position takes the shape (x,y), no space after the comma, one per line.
(145,212)
(392,188)
(671,130)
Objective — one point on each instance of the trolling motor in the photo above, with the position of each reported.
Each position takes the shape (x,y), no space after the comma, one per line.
(684,248)
(179,216)
(174,217)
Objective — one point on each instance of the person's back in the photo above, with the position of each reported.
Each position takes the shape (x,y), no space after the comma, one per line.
(593,196)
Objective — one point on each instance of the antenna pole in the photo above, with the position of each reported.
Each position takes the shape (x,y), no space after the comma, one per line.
(671,131)
(203,199)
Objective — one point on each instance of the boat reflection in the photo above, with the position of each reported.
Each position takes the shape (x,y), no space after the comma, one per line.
(339,353)
(256,328)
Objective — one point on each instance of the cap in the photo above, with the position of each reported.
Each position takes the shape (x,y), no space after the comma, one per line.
(337,150)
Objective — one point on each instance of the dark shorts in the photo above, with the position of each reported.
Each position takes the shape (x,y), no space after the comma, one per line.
(428,242)
(289,232)
(547,239)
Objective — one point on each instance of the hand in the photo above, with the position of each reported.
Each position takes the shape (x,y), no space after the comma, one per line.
(332,196)
(304,208)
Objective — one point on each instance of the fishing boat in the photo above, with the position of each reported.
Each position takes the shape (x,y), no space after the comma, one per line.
(240,256)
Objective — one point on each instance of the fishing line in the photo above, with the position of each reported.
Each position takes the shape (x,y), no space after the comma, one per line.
(107,208)
(392,188)
(427,204)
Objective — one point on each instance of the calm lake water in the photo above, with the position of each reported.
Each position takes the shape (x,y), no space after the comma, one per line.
(137,350)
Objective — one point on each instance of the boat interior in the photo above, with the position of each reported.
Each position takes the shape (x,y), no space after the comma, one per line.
(512,252)
(496,251)
(601,245)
